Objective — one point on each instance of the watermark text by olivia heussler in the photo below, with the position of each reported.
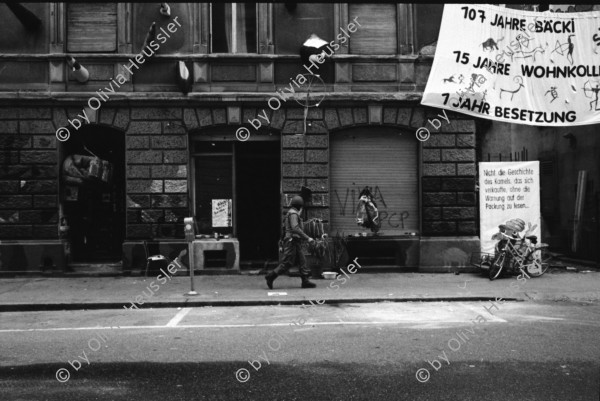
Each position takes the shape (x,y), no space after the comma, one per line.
(63,374)
(454,344)
(243,375)
(94,103)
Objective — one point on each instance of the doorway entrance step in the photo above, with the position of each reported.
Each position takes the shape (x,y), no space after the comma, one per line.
(94,269)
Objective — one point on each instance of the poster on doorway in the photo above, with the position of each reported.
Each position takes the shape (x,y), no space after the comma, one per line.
(221,213)
(509,195)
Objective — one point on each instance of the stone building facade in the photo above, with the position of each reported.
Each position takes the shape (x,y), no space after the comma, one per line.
(159,135)
(157,179)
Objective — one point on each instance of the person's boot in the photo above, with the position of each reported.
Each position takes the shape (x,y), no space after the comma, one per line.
(270,278)
(307,284)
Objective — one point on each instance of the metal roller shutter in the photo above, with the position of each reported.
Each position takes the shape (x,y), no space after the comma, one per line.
(387,162)
(377,31)
(92,27)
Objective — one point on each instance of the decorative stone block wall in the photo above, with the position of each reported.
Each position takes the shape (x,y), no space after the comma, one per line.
(158,197)
(449,178)
(28,173)
(157,172)
(305,159)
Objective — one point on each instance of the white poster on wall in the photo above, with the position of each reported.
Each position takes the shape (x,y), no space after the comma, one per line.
(509,196)
(221,213)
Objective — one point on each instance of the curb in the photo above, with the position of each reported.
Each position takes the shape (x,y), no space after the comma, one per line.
(184,304)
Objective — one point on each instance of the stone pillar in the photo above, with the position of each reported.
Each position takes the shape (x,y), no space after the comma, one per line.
(157,157)
(28,174)
(305,159)
(448,181)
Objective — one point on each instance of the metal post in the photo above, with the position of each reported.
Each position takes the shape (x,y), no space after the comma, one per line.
(191,253)
(190,236)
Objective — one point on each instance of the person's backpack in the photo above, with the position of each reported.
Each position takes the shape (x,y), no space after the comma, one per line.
(283,227)
(287,216)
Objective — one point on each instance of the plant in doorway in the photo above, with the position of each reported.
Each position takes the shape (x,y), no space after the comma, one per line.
(338,252)
(315,251)
(325,252)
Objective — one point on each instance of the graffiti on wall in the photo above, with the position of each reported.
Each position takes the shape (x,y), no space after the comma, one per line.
(348,204)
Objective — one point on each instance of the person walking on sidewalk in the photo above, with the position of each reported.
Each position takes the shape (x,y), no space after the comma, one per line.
(292,245)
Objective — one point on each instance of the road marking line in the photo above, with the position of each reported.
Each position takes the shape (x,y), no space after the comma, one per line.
(536,317)
(216,326)
(177,318)
(487,315)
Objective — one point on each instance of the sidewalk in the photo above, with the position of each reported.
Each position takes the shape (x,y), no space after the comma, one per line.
(35,293)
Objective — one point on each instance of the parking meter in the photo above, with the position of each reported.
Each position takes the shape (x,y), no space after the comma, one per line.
(190,233)
(190,236)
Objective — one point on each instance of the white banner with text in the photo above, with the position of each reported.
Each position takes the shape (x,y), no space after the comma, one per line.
(517,66)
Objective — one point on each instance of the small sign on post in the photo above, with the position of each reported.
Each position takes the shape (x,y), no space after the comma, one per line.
(190,236)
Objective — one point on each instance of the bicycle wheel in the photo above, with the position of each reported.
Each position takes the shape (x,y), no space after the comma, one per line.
(538,262)
(497,265)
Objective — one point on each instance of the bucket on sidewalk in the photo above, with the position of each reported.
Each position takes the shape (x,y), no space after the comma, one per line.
(154,263)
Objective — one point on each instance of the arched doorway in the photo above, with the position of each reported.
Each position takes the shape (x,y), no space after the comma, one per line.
(92,193)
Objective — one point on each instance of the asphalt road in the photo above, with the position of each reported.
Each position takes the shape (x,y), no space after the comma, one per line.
(385,351)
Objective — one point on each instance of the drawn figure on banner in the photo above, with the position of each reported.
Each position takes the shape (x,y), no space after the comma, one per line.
(552,91)
(587,87)
(491,44)
(470,92)
(461,93)
(461,78)
(565,48)
(519,81)
(528,54)
(451,79)
(520,42)
(570,51)
(484,95)
(476,80)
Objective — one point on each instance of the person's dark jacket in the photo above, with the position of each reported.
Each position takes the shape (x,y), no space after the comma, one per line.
(293,225)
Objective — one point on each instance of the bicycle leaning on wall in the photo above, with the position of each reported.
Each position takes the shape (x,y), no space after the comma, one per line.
(520,255)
